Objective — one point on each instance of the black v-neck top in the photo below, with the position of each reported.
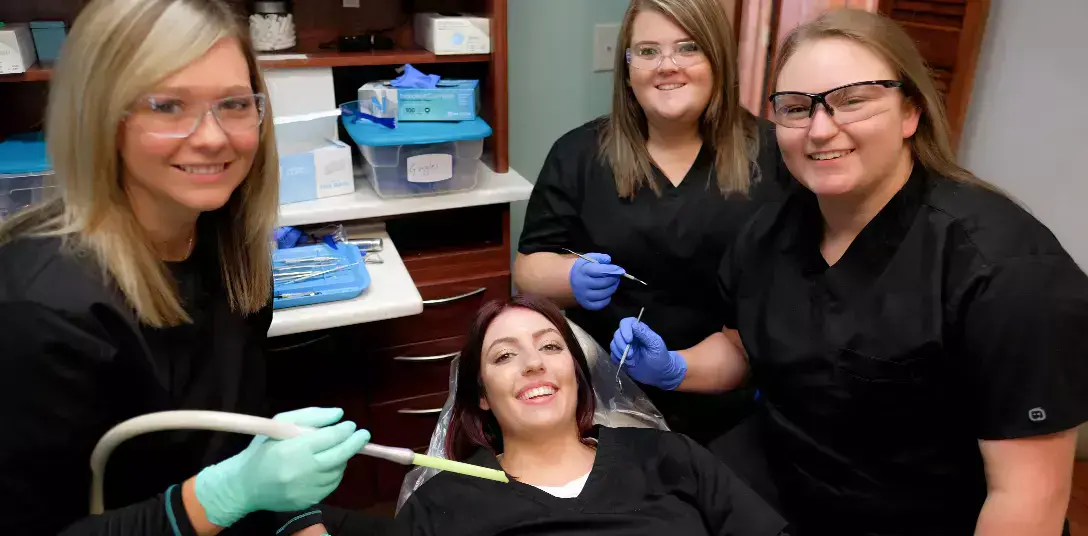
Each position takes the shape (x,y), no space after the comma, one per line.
(953,317)
(643,482)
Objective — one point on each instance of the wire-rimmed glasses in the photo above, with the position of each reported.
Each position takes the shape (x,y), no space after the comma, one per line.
(177,118)
(845,104)
(648,56)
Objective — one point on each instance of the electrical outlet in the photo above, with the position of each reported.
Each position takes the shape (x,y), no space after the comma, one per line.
(604,46)
(351,3)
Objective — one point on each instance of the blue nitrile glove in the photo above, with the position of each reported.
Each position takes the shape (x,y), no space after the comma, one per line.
(593,284)
(281,476)
(648,360)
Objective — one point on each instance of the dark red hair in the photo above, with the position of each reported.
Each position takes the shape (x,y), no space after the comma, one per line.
(471,427)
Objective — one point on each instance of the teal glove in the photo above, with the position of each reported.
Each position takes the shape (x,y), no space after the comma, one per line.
(281,476)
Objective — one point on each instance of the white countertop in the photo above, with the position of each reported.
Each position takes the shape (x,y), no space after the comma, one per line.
(493,188)
(392,294)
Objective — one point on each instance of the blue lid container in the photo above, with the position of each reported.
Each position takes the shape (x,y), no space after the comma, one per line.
(370,134)
(24,154)
(48,38)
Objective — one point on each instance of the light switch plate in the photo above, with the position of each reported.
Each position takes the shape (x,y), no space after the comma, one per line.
(351,3)
(604,46)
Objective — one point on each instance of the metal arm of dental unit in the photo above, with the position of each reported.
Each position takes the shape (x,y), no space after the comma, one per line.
(247,424)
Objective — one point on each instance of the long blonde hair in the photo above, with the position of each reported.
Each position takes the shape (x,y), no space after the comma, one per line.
(116,52)
(725,124)
(932,142)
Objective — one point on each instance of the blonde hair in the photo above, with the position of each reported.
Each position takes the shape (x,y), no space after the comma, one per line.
(725,125)
(116,52)
(931,143)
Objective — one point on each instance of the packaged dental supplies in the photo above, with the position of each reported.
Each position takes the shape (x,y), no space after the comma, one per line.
(418,158)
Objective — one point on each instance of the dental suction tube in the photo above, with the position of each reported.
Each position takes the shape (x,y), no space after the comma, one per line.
(243,424)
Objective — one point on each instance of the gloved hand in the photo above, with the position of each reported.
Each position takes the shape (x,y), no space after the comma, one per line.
(281,476)
(648,360)
(593,284)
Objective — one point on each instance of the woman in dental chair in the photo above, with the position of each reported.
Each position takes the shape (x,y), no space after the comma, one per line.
(525,405)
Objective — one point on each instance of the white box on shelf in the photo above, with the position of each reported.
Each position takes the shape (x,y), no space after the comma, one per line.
(446,34)
(316,172)
(17,53)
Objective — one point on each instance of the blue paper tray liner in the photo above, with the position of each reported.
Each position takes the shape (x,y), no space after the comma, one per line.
(364,132)
(337,286)
(24,153)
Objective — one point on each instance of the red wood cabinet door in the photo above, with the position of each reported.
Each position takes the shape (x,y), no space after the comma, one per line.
(949,34)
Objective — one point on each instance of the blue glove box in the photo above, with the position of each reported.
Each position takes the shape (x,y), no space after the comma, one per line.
(341,285)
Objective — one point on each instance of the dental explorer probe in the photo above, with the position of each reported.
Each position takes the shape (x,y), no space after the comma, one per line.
(594,261)
(248,424)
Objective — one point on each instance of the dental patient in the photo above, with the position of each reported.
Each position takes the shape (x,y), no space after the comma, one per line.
(524,404)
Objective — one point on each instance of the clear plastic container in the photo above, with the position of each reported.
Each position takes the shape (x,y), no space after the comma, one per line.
(411,170)
(418,158)
(18,192)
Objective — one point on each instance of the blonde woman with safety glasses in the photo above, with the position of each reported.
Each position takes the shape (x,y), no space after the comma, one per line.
(146,286)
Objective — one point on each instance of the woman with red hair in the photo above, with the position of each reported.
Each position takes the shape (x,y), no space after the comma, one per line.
(524,404)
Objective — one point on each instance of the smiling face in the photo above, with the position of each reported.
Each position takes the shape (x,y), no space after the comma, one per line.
(197,173)
(528,375)
(830,158)
(668,93)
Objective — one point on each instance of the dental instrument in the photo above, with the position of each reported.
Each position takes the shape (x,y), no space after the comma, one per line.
(317,274)
(248,424)
(588,259)
(626,349)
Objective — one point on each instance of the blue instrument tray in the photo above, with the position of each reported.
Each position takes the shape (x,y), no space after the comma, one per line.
(343,284)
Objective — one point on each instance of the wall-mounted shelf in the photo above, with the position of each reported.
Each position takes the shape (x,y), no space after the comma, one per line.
(38,73)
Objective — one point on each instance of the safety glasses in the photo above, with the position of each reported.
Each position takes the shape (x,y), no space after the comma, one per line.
(177,118)
(845,104)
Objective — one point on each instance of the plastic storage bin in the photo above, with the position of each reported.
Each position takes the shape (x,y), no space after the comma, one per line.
(417,159)
(25,173)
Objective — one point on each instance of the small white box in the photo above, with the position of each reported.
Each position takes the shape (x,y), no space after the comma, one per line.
(316,172)
(446,34)
(17,52)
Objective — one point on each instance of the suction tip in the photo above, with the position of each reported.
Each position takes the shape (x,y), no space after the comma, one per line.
(460,468)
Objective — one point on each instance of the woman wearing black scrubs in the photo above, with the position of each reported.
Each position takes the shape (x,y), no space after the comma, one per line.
(146,287)
(659,189)
(918,337)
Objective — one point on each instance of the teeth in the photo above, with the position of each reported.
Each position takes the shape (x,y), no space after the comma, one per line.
(670,87)
(537,392)
(204,170)
(830,155)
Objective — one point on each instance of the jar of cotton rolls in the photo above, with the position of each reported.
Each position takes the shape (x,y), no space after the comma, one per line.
(271,26)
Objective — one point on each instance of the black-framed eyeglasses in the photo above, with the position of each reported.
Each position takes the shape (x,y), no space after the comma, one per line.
(845,104)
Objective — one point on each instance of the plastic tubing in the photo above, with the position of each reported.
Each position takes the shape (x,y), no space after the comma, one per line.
(246,424)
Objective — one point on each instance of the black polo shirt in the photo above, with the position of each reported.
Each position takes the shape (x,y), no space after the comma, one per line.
(954,316)
(674,242)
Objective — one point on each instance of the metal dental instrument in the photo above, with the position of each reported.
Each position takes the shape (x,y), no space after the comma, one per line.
(317,274)
(583,257)
(292,295)
(626,349)
(308,260)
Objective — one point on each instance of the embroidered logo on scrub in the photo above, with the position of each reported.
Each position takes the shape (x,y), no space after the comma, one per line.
(1037,414)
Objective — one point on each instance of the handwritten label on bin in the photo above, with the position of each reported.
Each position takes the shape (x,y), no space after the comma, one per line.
(430,168)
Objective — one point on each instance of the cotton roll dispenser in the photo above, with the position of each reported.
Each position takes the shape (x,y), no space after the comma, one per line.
(271,26)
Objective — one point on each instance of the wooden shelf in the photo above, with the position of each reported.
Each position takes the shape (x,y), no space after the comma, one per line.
(289,60)
(36,73)
(358,59)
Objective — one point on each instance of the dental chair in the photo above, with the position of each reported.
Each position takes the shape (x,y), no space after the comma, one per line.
(620,404)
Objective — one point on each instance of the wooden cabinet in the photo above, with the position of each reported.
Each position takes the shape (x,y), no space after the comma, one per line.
(949,35)
(392,377)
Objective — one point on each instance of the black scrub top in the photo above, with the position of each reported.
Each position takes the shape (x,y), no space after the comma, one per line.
(74,361)
(953,317)
(674,242)
(643,482)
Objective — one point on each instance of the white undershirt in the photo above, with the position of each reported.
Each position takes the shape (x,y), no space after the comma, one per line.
(569,490)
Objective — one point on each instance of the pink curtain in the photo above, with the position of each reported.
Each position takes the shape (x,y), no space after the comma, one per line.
(755,37)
